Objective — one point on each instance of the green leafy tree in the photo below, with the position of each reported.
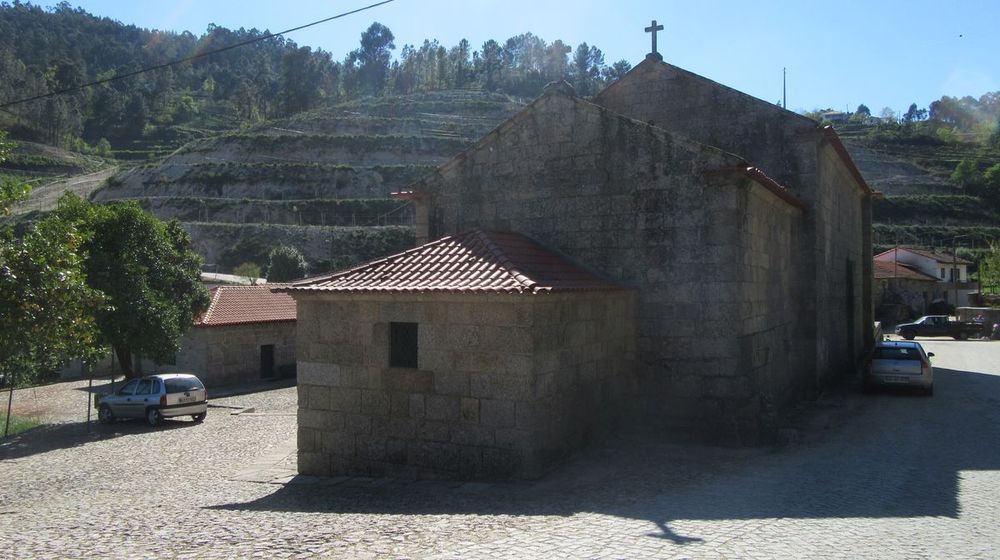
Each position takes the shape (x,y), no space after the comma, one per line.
(11,191)
(248,270)
(863,111)
(616,70)
(991,184)
(373,57)
(968,176)
(46,308)
(147,271)
(285,263)
(989,270)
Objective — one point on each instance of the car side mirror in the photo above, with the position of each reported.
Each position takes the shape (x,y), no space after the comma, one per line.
(930,354)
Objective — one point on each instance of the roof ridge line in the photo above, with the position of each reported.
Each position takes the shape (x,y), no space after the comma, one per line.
(507,263)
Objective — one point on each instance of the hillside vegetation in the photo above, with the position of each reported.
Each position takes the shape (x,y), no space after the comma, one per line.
(319,181)
(923,203)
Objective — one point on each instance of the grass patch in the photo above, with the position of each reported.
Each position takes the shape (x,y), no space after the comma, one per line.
(18,424)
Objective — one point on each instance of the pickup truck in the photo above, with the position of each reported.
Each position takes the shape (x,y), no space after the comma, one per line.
(939,325)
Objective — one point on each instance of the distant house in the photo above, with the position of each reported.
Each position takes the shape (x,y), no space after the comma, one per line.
(900,283)
(950,272)
(835,117)
(247,333)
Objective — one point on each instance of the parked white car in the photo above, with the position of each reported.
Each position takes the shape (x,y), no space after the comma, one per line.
(901,363)
(156,397)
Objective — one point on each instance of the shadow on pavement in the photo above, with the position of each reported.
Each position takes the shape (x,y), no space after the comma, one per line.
(902,457)
(63,436)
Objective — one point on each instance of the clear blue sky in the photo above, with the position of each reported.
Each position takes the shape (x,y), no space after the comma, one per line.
(838,54)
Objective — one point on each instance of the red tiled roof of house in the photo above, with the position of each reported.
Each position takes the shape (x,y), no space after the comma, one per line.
(887,269)
(240,305)
(474,261)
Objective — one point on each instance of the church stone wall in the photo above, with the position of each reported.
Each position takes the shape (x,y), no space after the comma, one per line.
(843,315)
(791,149)
(763,134)
(770,309)
(506,385)
(632,202)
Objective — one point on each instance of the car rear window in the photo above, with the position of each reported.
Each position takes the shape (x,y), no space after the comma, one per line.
(183,384)
(897,353)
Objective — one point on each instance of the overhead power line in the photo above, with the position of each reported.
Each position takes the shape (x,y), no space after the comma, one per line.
(190,58)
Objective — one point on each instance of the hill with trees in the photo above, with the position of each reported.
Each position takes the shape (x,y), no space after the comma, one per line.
(939,169)
(274,143)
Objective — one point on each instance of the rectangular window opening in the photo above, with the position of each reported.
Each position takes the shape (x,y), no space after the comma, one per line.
(403,345)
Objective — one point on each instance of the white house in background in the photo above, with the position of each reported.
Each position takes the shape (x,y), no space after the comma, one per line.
(952,272)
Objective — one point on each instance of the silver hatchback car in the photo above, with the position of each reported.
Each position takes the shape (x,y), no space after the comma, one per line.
(154,398)
(901,363)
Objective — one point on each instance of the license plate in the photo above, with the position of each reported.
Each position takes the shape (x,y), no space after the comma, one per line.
(896,379)
(186,399)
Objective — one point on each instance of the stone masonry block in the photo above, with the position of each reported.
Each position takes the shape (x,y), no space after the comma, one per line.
(417,406)
(358,424)
(318,398)
(471,434)
(501,463)
(441,407)
(515,439)
(313,373)
(399,405)
(394,427)
(433,455)
(451,383)
(375,403)
(306,439)
(434,431)
(531,415)
(338,442)
(497,413)
(470,410)
(496,386)
(313,464)
(345,400)
(408,380)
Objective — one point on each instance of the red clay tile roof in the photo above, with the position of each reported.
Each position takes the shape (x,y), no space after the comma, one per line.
(240,305)
(886,269)
(474,261)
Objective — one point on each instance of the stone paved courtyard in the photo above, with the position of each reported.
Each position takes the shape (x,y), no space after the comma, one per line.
(889,476)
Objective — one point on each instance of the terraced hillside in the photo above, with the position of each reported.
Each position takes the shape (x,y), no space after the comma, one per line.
(318,181)
(52,171)
(921,205)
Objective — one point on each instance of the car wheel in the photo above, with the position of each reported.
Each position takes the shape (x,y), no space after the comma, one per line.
(199,417)
(963,336)
(929,391)
(104,414)
(909,336)
(154,417)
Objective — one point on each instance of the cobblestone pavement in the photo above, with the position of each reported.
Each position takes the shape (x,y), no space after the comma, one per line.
(892,475)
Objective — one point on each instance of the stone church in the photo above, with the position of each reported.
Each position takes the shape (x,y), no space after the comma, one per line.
(672,254)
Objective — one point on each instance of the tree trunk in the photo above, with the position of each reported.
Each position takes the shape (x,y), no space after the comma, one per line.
(125,360)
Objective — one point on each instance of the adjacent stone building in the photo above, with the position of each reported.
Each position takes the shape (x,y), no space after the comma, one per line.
(950,271)
(742,231)
(247,334)
(902,292)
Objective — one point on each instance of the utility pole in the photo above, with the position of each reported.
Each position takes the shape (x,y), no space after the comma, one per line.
(784,88)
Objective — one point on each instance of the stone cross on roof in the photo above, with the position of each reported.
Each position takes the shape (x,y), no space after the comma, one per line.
(653,29)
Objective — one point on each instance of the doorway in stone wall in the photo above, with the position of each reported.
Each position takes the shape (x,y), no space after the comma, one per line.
(267,361)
